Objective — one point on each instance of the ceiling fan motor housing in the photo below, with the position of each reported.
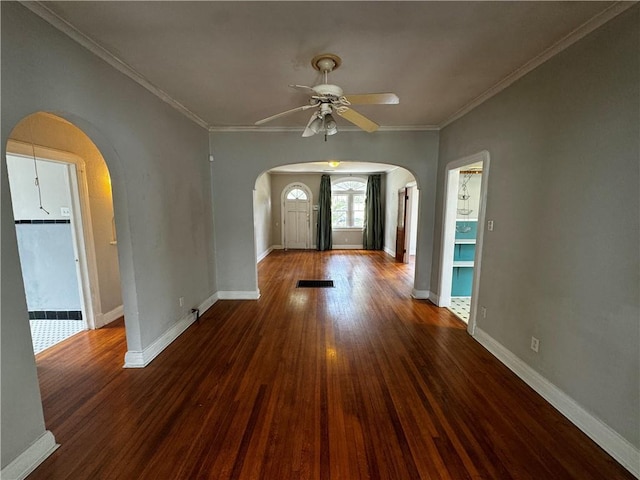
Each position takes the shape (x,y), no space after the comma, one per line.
(326,89)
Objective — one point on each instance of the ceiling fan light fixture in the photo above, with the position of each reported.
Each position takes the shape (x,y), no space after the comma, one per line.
(330,125)
(316,125)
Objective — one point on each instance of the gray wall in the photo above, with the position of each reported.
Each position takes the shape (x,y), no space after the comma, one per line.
(562,262)
(21,408)
(240,157)
(162,199)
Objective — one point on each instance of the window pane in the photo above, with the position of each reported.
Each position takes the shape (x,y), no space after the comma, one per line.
(339,202)
(338,219)
(339,206)
(358,210)
(296,194)
(358,219)
(349,185)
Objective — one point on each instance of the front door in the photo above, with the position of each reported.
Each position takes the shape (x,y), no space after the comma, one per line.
(296,219)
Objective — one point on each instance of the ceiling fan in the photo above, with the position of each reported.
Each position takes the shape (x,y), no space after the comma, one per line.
(328,99)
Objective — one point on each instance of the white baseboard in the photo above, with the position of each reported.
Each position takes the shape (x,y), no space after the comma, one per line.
(421,294)
(239,295)
(264,254)
(114,314)
(102,319)
(140,359)
(347,247)
(29,460)
(208,303)
(435,299)
(614,444)
(388,251)
(277,247)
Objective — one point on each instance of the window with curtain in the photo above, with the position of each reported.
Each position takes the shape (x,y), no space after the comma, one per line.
(347,203)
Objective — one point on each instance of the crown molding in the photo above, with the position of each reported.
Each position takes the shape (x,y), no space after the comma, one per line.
(40,9)
(580,32)
(400,128)
(68,29)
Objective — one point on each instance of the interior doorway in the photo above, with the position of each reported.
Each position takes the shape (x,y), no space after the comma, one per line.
(45,203)
(407,223)
(463,231)
(296,216)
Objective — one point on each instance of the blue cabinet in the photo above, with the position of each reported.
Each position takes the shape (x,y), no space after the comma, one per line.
(463,258)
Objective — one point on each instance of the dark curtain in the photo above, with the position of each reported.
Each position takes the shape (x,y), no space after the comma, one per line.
(324,241)
(373,235)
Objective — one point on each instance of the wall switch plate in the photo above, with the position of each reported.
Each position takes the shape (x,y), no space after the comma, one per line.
(65,212)
(535,344)
(181,301)
(483,312)
(490,225)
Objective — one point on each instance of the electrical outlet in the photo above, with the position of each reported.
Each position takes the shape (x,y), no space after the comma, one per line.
(490,225)
(65,212)
(535,344)
(181,301)
(483,312)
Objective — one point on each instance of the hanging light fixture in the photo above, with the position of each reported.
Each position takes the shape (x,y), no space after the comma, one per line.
(316,125)
(330,126)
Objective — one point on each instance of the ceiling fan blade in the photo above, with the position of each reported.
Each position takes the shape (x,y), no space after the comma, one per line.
(304,89)
(278,115)
(373,99)
(358,119)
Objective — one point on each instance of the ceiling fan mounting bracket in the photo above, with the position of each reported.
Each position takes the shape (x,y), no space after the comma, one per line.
(326,62)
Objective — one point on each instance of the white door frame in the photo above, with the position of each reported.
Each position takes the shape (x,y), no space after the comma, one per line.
(283,213)
(450,201)
(411,220)
(82,231)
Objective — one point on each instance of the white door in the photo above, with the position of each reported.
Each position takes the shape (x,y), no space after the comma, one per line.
(297,219)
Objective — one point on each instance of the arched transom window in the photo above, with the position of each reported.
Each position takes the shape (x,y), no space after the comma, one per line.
(296,194)
(347,203)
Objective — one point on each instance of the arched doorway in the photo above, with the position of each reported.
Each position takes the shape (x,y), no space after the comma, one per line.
(272,187)
(63,211)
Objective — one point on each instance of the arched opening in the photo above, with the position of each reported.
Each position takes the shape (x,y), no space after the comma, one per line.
(349,181)
(65,225)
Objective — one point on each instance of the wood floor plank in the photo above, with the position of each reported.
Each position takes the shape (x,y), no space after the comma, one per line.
(359,381)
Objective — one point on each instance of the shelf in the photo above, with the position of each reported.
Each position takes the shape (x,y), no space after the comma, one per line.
(463,264)
(465,241)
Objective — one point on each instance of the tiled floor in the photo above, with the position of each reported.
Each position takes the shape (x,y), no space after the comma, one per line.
(46,333)
(461,306)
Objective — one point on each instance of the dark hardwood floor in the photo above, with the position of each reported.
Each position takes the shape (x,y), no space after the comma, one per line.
(359,381)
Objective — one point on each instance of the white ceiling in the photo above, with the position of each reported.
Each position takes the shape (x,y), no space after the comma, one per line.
(229,63)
